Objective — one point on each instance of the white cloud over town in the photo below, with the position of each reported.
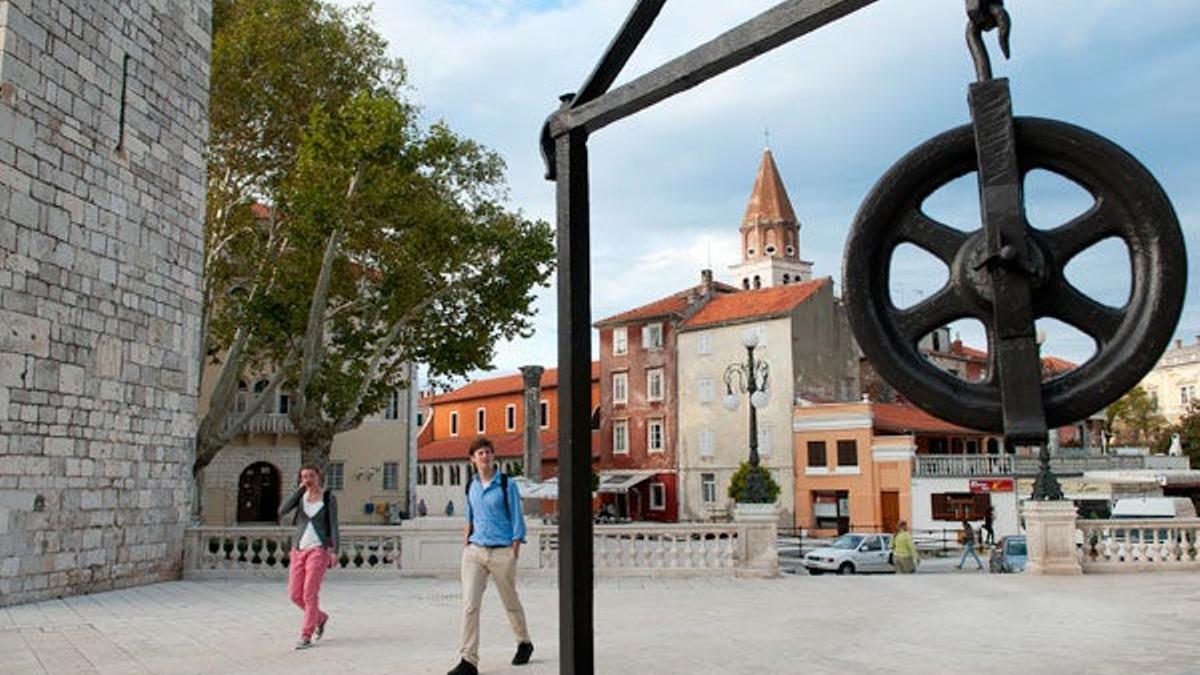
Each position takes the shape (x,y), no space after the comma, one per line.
(669,185)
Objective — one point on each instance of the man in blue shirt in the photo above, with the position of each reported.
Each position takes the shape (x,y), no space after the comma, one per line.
(492,541)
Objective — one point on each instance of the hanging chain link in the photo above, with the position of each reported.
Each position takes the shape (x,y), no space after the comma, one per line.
(983,16)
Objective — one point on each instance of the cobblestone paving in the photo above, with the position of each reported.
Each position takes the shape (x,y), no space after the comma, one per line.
(926,623)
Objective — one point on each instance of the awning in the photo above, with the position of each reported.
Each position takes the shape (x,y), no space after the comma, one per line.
(547,489)
(620,482)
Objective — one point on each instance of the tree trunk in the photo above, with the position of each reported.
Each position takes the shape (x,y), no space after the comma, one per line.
(315,446)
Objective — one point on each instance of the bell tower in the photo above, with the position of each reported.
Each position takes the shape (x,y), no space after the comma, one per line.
(770,234)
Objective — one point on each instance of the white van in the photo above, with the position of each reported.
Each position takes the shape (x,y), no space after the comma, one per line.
(1153,507)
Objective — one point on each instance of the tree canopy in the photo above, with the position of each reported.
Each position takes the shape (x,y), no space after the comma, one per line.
(343,236)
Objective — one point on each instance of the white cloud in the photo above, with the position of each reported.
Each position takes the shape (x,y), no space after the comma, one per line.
(842,105)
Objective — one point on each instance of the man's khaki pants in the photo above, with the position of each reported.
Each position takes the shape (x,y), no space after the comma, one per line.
(477,563)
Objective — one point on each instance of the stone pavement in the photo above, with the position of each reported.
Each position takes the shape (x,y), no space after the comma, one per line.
(925,623)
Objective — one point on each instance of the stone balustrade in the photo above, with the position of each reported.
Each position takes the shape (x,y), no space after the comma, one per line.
(265,423)
(1139,545)
(963,465)
(432,546)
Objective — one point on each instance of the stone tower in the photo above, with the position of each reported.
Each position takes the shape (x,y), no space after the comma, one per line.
(103,121)
(770,234)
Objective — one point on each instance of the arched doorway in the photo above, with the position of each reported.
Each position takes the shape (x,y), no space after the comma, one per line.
(258,493)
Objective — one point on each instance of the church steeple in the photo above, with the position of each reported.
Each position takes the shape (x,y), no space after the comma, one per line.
(770,233)
(769,203)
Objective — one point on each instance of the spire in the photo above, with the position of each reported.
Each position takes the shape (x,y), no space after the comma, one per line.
(768,201)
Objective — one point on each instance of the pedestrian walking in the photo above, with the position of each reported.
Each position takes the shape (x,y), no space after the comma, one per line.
(315,550)
(905,556)
(989,533)
(968,536)
(492,539)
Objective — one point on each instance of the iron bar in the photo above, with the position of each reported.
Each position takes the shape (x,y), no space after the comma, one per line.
(575,580)
(773,28)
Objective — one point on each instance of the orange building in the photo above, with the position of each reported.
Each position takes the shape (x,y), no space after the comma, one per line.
(855,462)
(493,407)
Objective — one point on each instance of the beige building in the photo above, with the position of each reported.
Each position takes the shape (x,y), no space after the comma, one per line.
(368,466)
(1174,383)
(802,335)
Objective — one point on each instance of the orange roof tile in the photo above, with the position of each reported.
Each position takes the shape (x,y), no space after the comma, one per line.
(769,201)
(900,418)
(505,384)
(1053,365)
(508,446)
(762,303)
(668,306)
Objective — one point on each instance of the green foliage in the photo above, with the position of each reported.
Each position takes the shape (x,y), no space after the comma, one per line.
(737,484)
(425,262)
(1188,429)
(1133,417)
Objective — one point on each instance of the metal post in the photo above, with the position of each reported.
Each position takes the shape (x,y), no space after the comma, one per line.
(574,401)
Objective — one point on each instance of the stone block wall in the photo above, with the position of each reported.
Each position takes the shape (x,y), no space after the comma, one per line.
(103,120)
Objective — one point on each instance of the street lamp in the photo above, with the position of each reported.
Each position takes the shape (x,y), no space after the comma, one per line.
(750,378)
(1045,485)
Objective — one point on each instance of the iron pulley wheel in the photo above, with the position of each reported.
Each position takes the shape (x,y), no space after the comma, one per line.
(1128,203)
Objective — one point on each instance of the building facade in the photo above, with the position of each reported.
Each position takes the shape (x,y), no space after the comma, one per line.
(498,408)
(103,124)
(368,468)
(804,339)
(1174,383)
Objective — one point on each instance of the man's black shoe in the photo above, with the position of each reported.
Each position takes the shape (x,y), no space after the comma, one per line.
(524,651)
(464,667)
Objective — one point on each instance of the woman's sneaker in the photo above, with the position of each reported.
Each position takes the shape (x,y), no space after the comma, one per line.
(303,644)
(320,630)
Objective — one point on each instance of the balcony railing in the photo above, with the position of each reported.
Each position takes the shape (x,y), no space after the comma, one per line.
(265,423)
(963,465)
(1008,465)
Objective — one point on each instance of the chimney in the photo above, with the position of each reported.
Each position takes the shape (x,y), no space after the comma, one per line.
(706,281)
(532,456)
(1178,343)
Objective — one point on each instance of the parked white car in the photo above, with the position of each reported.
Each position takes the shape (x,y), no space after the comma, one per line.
(852,553)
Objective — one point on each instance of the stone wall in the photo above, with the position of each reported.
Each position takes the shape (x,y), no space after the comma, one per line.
(103,119)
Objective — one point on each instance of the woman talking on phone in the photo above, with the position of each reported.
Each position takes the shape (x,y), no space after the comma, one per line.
(315,549)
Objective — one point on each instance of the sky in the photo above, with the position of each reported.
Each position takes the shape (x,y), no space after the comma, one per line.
(837,108)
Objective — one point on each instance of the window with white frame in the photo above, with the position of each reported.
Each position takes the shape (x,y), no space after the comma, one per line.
(1187,394)
(335,475)
(654,384)
(439,474)
(620,341)
(706,389)
(658,497)
(422,475)
(652,336)
(480,420)
(620,388)
(544,414)
(704,343)
(655,435)
(239,403)
(392,410)
(510,417)
(708,488)
(765,431)
(391,475)
(456,475)
(454,423)
(707,442)
(620,444)
(284,404)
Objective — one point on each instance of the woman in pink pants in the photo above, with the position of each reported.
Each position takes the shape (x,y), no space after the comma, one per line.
(315,549)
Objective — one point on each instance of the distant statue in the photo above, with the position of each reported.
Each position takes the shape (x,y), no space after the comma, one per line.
(450,507)
(1176,449)
(422,510)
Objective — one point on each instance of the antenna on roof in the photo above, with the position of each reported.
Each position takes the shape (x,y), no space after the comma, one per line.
(708,247)
(766,138)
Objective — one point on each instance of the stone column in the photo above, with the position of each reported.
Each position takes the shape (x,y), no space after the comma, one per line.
(758,548)
(532,457)
(1050,532)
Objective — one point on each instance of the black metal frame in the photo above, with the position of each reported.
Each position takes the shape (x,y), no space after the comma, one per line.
(564,148)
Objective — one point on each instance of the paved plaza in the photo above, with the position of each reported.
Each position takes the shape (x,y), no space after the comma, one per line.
(927,623)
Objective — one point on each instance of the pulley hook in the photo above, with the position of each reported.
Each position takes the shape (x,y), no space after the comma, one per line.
(982,16)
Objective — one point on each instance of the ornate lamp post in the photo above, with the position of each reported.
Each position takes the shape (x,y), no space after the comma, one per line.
(750,378)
